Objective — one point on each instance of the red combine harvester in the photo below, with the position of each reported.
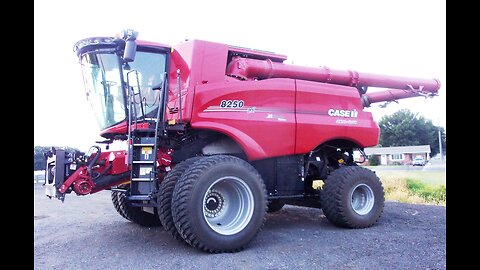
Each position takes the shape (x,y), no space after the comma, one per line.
(218,135)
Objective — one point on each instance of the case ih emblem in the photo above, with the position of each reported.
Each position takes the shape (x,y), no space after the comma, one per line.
(343,113)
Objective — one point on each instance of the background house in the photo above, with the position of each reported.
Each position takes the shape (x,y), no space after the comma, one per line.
(399,154)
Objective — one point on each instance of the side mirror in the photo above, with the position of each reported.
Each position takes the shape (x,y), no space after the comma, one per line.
(130,50)
(130,45)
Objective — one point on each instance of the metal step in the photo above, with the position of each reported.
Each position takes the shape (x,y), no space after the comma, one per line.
(142,179)
(143,144)
(144,161)
(138,198)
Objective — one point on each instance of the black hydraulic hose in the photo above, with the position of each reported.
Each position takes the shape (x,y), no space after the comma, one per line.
(104,172)
(91,163)
(110,179)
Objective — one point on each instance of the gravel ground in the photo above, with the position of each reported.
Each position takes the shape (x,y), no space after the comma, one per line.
(87,233)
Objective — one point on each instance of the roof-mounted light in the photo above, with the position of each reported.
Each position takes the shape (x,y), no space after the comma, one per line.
(93,41)
(126,41)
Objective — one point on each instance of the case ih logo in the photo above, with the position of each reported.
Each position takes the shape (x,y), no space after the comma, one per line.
(343,113)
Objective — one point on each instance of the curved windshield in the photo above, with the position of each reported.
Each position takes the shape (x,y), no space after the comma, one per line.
(103,74)
(148,68)
(103,86)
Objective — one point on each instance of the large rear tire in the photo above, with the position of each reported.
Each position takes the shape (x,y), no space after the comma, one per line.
(353,197)
(134,214)
(166,193)
(219,204)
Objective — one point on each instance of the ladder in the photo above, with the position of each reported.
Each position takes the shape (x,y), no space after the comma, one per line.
(144,159)
(142,152)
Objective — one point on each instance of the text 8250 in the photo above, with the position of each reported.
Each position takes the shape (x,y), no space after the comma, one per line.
(232,103)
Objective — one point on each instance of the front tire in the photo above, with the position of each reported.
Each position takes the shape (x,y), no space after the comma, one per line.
(353,197)
(166,193)
(219,204)
(134,214)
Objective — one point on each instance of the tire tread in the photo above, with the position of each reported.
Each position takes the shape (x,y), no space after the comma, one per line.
(167,187)
(333,205)
(183,191)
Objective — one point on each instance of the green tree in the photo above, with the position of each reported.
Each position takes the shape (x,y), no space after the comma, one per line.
(39,161)
(373,160)
(404,128)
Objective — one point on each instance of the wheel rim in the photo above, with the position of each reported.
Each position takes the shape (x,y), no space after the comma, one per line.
(362,199)
(228,205)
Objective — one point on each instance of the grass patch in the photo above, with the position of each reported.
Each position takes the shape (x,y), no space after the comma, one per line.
(409,190)
(430,193)
(427,177)
(397,190)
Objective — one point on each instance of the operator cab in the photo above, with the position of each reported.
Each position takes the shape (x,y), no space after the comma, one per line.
(123,81)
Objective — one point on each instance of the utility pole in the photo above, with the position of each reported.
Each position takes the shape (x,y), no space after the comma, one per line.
(440,143)
(440,140)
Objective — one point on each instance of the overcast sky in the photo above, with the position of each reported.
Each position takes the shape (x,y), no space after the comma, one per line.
(402,38)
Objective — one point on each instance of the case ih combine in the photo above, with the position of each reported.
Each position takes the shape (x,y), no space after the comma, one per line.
(217,135)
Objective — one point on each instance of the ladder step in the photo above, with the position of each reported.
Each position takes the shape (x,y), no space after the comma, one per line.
(143,144)
(138,198)
(142,179)
(144,140)
(144,161)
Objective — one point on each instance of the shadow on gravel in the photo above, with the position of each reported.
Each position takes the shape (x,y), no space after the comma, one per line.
(293,217)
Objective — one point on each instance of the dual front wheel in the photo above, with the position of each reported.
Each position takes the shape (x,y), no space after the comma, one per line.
(215,203)
(218,203)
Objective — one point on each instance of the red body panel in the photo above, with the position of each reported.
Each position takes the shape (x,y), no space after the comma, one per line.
(283,116)
(264,126)
(314,124)
(200,62)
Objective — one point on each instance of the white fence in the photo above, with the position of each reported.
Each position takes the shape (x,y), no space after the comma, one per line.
(39,177)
